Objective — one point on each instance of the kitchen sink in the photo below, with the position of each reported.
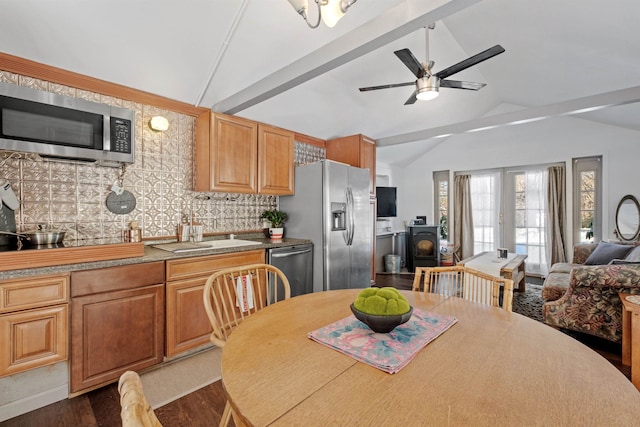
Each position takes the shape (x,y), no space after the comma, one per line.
(206,245)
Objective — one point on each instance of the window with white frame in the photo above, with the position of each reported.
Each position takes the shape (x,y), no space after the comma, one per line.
(587,199)
(441,202)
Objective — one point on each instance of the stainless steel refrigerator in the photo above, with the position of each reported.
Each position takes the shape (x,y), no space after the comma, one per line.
(331,207)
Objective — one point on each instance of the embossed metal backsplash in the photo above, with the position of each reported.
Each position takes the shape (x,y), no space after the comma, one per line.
(71,196)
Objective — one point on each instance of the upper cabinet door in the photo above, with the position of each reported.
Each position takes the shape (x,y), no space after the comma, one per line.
(275,160)
(355,150)
(368,160)
(234,154)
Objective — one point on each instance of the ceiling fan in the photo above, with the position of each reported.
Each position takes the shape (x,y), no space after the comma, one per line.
(428,84)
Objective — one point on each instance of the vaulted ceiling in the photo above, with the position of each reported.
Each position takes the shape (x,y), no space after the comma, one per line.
(258,59)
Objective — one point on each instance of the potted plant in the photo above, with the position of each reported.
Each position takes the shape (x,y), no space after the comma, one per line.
(277,219)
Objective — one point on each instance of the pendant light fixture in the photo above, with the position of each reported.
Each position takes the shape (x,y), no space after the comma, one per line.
(330,11)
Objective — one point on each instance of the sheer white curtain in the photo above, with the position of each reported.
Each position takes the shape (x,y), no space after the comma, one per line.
(486,189)
(531,215)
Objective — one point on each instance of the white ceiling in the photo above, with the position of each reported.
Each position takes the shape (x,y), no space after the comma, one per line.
(258,59)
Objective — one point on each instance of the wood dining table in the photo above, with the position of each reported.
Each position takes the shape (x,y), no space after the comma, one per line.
(492,367)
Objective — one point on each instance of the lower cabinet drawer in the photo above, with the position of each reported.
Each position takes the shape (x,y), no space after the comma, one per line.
(33,338)
(32,292)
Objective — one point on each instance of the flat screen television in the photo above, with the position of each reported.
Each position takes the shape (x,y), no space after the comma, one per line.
(386,202)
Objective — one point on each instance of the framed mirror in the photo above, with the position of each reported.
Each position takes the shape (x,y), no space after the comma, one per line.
(628,218)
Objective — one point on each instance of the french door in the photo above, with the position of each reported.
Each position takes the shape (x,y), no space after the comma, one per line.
(525,216)
(508,210)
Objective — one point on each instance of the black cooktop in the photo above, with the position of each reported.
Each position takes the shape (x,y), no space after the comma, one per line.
(26,246)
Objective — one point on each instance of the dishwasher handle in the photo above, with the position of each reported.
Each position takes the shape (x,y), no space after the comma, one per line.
(288,254)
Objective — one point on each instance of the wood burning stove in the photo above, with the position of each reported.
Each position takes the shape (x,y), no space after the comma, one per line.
(423,246)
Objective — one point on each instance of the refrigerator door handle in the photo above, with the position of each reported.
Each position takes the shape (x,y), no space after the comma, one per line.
(351,216)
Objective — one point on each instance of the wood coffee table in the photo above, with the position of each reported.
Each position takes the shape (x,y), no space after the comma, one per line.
(513,269)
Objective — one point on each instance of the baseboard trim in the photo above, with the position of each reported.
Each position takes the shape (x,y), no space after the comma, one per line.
(33,402)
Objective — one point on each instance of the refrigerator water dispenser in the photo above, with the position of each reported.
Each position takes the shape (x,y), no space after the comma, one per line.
(339,213)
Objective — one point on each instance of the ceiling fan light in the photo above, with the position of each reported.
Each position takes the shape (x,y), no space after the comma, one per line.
(428,88)
(427,95)
(332,12)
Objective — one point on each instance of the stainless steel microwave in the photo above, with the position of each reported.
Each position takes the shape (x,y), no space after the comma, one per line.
(63,127)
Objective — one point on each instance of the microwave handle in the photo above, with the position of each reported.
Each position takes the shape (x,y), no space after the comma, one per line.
(106,132)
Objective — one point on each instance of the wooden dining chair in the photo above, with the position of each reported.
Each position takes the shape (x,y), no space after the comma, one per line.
(466,283)
(232,294)
(135,410)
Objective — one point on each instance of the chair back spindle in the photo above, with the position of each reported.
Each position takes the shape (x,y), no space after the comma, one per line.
(466,283)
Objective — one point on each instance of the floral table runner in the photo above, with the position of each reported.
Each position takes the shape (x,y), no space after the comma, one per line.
(388,352)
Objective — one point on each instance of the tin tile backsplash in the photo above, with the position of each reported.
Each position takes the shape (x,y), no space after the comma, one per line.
(72,196)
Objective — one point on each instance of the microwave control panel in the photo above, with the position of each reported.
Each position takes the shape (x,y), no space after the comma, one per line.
(120,135)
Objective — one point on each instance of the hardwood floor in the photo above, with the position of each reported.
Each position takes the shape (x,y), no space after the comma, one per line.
(101,408)
(204,407)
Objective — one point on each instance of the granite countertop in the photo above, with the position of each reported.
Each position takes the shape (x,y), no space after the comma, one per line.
(151,254)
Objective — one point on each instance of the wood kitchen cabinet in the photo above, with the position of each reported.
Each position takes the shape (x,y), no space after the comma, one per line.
(243,156)
(33,322)
(187,323)
(117,322)
(355,150)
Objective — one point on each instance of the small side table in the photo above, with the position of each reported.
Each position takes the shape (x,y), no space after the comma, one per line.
(631,337)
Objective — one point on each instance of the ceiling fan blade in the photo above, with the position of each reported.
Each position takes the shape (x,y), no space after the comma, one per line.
(456,84)
(365,89)
(471,61)
(411,62)
(412,99)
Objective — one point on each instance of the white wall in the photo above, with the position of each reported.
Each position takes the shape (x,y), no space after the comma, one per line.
(553,140)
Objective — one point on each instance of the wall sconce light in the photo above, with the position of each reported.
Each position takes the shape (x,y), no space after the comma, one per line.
(330,11)
(159,123)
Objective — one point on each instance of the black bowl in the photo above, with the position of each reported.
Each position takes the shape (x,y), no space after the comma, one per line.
(381,324)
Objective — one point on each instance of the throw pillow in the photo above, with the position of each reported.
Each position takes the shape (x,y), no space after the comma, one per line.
(605,252)
(634,255)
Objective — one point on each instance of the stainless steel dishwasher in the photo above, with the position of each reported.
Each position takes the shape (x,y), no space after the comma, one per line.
(296,262)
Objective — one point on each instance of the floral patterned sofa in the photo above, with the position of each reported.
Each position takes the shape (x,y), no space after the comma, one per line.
(583,295)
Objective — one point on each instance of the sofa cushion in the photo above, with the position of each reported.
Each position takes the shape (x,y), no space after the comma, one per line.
(633,255)
(605,252)
(555,285)
(562,267)
(623,261)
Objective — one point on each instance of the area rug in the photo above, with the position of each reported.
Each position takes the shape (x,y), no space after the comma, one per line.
(529,303)
(181,377)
